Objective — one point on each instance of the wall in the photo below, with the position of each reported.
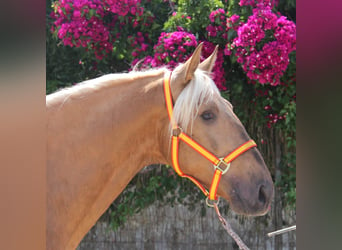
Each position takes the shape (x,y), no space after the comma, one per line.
(165,227)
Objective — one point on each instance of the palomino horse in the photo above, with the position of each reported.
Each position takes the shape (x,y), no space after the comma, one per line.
(102,132)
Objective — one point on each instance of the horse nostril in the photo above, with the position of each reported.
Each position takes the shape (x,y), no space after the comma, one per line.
(262,195)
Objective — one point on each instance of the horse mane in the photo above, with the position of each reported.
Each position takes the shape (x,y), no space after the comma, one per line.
(201,89)
(86,87)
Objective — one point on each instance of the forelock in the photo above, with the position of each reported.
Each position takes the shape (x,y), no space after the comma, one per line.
(201,89)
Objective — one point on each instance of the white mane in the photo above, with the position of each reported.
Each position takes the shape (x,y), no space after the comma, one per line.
(200,89)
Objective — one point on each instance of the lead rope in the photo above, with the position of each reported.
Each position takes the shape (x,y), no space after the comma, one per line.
(229,229)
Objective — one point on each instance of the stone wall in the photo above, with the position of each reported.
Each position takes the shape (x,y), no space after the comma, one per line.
(166,227)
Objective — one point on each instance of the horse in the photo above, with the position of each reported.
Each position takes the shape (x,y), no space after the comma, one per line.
(102,132)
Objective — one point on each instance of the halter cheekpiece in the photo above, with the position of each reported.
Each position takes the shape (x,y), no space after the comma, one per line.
(221,165)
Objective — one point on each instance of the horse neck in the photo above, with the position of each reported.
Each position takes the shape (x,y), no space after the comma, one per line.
(97,143)
(115,114)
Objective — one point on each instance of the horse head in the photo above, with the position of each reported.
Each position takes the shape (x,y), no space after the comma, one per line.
(209,120)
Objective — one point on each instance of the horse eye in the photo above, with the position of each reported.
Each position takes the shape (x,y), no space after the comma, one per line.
(208,115)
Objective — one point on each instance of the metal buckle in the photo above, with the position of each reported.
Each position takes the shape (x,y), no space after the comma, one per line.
(218,166)
(177,131)
(213,202)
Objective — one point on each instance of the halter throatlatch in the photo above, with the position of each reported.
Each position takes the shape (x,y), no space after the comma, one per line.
(221,165)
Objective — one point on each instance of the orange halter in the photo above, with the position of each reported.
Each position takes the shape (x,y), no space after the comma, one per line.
(221,165)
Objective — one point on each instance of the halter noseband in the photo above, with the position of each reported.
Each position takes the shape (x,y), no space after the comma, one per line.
(221,165)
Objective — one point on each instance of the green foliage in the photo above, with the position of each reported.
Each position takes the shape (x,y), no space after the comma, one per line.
(287,182)
(197,10)
(288,8)
(124,43)
(158,183)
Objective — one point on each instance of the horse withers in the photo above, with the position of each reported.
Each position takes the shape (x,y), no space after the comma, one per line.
(102,132)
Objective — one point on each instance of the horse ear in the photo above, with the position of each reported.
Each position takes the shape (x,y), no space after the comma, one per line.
(208,64)
(192,63)
(183,74)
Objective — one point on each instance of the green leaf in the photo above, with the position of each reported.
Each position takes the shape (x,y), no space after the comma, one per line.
(91,12)
(231,34)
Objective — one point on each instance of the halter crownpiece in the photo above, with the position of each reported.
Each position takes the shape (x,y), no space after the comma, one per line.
(221,165)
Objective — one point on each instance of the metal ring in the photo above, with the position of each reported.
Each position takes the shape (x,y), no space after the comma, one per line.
(217,166)
(177,131)
(213,202)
